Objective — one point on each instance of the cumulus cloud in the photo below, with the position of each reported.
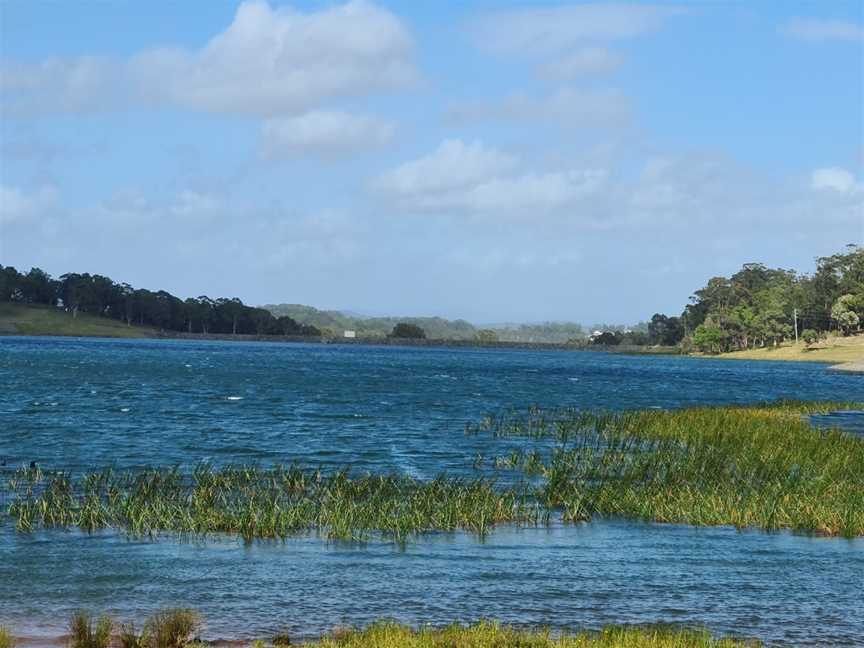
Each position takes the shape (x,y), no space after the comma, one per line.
(704,193)
(554,29)
(582,62)
(834,179)
(321,133)
(19,206)
(567,106)
(269,61)
(814,30)
(453,166)
(475,178)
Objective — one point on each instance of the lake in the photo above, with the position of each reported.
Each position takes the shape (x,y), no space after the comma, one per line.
(86,404)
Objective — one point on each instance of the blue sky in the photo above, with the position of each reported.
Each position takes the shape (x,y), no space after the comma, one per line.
(498,161)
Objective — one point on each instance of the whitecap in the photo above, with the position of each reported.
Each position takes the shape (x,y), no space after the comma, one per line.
(234,398)
(188,366)
(124,409)
(573,379)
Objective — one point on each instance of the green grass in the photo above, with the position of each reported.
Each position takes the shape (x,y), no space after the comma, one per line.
(176,629)
(6,640)
(86,631)
(760,466)
(493,635)
(16,319)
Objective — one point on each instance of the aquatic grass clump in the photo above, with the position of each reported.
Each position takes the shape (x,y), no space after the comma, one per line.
(759,466)
(6,640)
(494,635)
(254,502)
(171,628)
(86,631)
(763,466)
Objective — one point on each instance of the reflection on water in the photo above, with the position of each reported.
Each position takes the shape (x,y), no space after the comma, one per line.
(71,404)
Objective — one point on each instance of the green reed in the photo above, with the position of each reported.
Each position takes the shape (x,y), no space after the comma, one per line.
(493,635)
(278,502)
(761,466)
(176,628)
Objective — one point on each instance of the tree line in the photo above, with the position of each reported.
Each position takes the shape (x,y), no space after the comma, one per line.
(760,306)
(101,296)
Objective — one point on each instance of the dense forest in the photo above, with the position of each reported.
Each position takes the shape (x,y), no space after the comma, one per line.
(759,306)
(99,295)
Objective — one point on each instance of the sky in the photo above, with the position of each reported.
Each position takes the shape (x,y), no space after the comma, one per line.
(494,161)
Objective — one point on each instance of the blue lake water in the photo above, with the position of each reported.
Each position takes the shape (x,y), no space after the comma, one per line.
(85,404)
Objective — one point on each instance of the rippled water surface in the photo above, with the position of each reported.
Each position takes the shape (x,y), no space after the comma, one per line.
(84,404)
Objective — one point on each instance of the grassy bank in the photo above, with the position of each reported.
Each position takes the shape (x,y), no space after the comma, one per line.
(763,466)
(834,350)
(177,628)
(44,320)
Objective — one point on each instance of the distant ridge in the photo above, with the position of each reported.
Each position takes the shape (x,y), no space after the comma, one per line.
(335,322)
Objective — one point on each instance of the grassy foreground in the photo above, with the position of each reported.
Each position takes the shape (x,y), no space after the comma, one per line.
(834,349)
(176,628)
(16,319)
(760,466)
(491,635)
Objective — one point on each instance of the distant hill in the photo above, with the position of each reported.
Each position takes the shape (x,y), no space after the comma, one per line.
(437,328)
(336,322)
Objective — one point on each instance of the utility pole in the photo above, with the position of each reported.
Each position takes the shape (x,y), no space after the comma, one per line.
(795,317)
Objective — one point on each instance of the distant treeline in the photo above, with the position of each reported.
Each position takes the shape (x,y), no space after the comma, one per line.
(99,295)
(757,306)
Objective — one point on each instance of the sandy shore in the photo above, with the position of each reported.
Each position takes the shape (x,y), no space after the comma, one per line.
(852,367)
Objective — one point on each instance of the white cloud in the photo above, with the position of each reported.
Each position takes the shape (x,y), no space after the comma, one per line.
(582,62)
(814,30)
(322,133)
(834,179)
(267,62)
(568,106)
(453,166)
(555,29)
(82,84)
(19,206)
(473,178)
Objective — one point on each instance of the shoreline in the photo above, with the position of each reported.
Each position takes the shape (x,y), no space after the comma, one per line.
(849,367)
(379,634)
(387,342)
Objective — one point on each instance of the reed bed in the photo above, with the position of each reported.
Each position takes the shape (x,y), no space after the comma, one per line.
(177,628)
(761,466)
(255,502)
(493,635)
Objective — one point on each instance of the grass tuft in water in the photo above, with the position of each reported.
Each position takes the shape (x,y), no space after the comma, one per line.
(6,640)
(87,631)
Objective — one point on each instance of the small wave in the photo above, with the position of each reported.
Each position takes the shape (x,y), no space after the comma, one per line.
(573,379)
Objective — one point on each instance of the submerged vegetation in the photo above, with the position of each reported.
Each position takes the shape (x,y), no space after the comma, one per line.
(759,466)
